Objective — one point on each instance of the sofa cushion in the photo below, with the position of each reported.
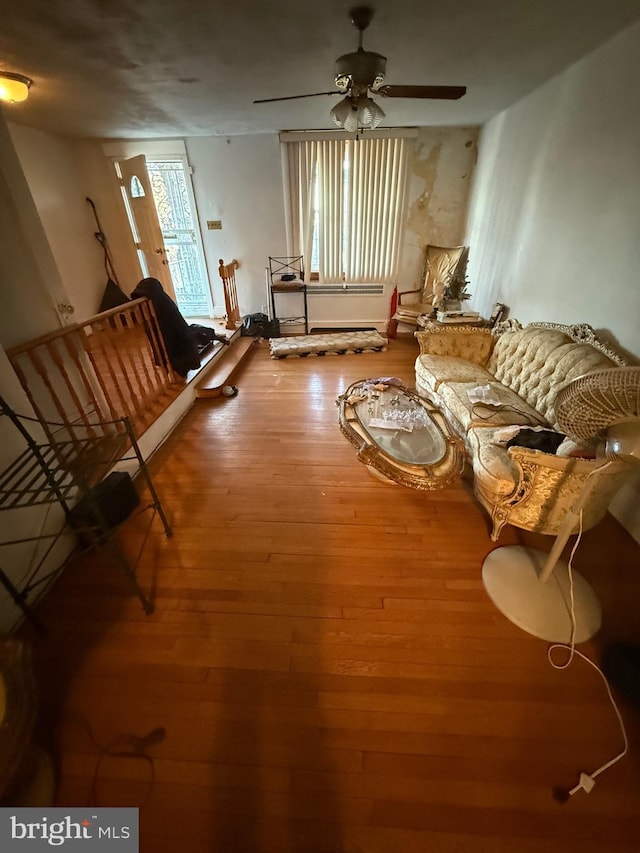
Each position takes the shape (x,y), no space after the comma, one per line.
(493,469)
(537,362)
(511,409)
(431,370)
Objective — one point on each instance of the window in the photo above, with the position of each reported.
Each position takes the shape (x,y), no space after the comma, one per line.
(345,206)
(137,190)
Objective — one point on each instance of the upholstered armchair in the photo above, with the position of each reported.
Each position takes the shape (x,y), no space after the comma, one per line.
(440,264)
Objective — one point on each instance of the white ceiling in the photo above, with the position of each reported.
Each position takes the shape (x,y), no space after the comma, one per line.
(143,69)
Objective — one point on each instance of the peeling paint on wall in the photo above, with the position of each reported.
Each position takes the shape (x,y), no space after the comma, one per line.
(440,172)
(420,218)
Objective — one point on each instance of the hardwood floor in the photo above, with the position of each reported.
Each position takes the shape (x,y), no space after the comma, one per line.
(329,671)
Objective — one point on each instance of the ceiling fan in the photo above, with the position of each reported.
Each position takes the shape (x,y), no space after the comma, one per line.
(363,71)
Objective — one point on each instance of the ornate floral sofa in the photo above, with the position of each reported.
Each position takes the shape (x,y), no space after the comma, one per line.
(525,368)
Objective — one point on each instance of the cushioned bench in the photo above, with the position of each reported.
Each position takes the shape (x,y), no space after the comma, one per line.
(322,344)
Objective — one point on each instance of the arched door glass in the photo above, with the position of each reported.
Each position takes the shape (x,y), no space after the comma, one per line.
(137,190)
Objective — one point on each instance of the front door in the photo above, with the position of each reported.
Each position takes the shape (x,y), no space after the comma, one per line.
(137,187)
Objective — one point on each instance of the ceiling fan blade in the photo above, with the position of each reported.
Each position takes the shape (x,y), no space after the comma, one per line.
(295,97)
(450,93)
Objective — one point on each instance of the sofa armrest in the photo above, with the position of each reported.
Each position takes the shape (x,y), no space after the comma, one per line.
(468,342)
(548,487)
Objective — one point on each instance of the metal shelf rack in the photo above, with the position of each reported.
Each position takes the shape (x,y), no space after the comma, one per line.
(64,470)
(286,275)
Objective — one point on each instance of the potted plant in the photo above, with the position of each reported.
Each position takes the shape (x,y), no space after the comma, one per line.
(455,292)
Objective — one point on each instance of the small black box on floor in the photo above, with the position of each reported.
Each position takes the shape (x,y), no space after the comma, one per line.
(115,497)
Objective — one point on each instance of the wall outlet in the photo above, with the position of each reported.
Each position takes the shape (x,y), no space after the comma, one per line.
(214,224)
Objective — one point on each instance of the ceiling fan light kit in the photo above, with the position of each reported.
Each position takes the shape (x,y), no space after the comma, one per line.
(355,113)
(363,71)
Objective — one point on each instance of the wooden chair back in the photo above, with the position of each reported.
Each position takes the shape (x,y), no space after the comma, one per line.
(228,275)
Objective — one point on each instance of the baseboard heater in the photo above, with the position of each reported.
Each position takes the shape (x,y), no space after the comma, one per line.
(353,289)
(325,330)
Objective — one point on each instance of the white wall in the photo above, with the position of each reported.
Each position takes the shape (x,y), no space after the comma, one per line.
(238,180)
(28,274)
(50,165)
(555,209)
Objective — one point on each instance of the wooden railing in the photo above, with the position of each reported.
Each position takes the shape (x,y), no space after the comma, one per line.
(113,365)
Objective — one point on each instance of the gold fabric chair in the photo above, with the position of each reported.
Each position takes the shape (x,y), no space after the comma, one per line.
(440,264)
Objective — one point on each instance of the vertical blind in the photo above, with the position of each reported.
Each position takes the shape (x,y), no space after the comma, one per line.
(330,201)
(353,193)
(299,170)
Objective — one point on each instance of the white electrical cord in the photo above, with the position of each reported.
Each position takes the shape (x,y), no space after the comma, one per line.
(587,780)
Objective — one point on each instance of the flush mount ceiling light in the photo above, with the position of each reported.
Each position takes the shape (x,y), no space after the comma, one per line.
(355,113)
(14,87)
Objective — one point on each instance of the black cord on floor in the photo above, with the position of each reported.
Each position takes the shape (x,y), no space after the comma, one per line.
(122,746)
